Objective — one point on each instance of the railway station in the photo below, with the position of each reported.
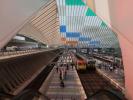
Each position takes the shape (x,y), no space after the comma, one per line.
(66,50)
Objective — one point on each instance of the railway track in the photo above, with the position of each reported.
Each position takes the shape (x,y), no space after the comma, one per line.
(93,83)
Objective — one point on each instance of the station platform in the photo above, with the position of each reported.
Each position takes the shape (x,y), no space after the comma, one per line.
(72,90)
(14,54)
(115,78)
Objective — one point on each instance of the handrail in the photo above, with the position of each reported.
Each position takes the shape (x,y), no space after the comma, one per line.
(118,96)
(29,94)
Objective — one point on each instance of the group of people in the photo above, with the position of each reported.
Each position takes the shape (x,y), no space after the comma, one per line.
(63,66)
(107,66)
(62,71)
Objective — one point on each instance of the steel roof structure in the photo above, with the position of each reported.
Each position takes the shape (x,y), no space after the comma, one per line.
(71,23)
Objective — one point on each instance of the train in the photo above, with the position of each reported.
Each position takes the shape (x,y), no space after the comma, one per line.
(83,64)
(91,64)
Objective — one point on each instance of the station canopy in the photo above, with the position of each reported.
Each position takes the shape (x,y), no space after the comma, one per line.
(70,23)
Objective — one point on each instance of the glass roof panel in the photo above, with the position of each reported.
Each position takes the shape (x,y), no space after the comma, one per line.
(79,24)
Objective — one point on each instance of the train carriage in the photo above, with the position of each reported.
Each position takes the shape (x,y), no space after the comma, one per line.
(81,64)
(91,65)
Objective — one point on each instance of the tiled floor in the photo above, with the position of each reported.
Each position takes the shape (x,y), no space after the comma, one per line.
(73,89)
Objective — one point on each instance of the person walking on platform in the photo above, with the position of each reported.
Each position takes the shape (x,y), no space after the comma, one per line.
(62,83)
(99,66)
(65,73)
(67,67)
(57,68)
(111,68)
(72,65)
(60,76)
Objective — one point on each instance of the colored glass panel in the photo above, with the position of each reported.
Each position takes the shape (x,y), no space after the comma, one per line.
(94,42)
(84,39)
(103,24)
(90,12)
(74,2)
(78,18)
(72,34)
(63,28)
(63,39)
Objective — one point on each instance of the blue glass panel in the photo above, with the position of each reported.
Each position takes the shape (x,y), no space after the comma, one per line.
(62,28)
(72,34)
(94,42)
(84,39)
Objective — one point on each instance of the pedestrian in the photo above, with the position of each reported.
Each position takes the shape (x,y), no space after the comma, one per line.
(62,83)
(65,73)
(57,69)
(72,65)
(67,67)
(111,68)
(60,76)
(99,66)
